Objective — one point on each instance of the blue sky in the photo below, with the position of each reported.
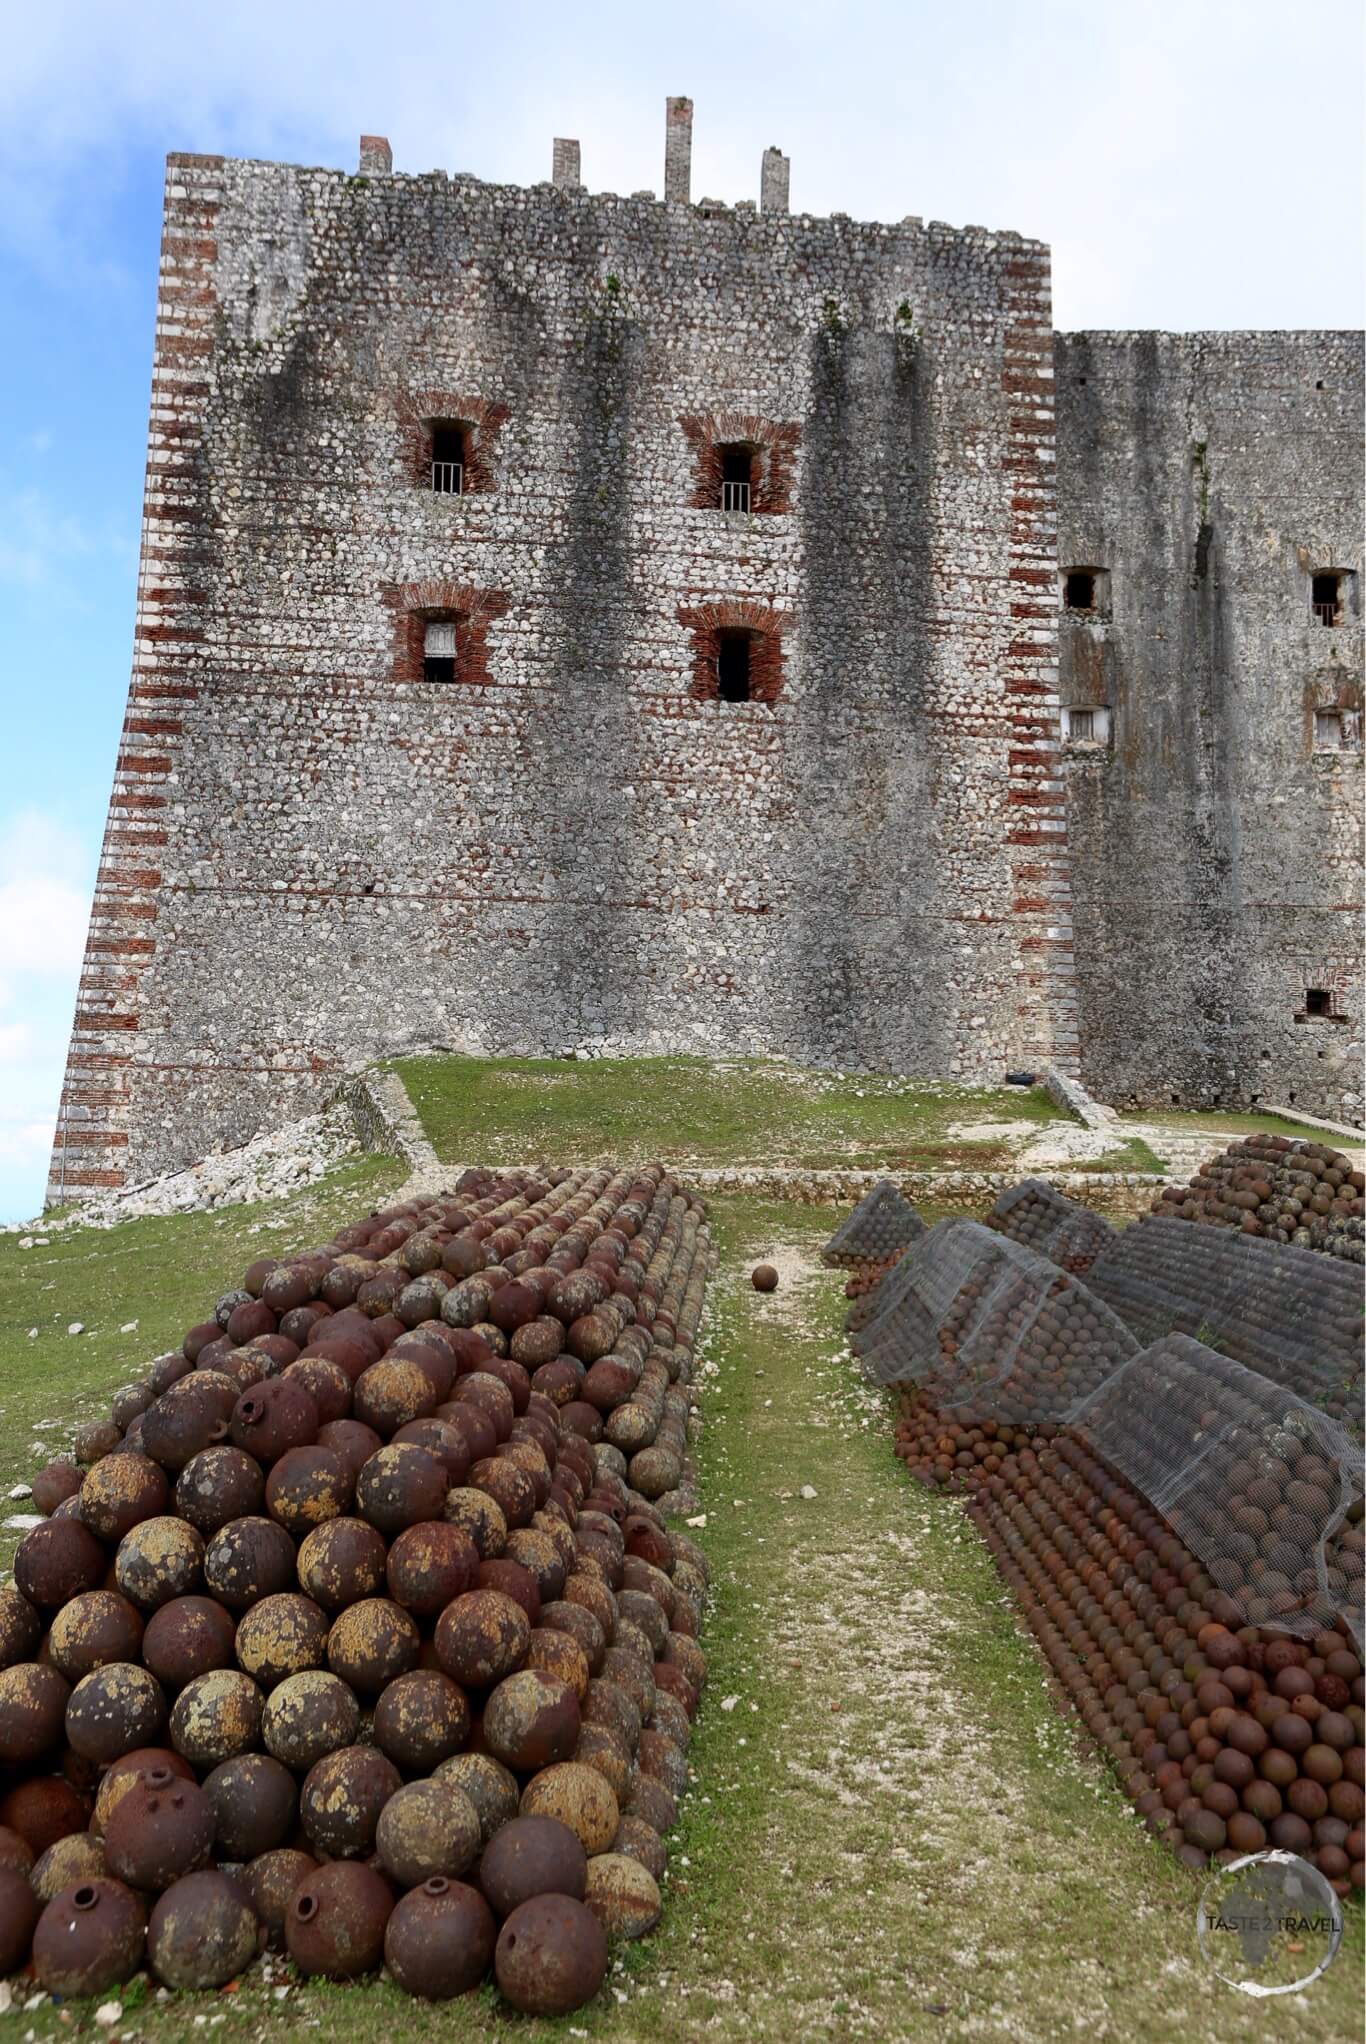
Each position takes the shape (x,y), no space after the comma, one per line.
(1193,163)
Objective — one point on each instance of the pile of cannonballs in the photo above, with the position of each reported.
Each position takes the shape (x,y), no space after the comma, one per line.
(1288,1190)
(357,1630)
(1040,1217)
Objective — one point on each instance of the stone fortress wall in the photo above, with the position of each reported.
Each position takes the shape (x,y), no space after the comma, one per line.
(320,849)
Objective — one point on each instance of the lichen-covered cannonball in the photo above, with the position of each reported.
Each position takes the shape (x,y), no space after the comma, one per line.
(119,1492)
(481,1638)
(555,1653)
(113,1710)
(439,1941)
(532,1856)
(640,1841)
(623,1895)
(219,1484)
(427,1828)
(89,1938)
(203,1932)
(511,1489)
(431,1564)
(400,1486)
(392,1392)
(280,1636)
(580,1797)
(421,1719)
(342,1562)
(551,1956)
(342,1797)
(248,1559)
(120,1779)
(216,1717)
(371,1643)
(77,1857)
(255,1804)
(33,1700)
(336,1919)
(190,1636)
(531,1720)
(271,1880)
(479,1515)
(491,1788)
(307,1716)
(56,1561)
(20,1627)
(307,1487)
(95,1628)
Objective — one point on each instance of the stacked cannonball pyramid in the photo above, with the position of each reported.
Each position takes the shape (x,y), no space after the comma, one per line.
(357,1630)
(1044,1219)
(1291,1191)
(873,1238)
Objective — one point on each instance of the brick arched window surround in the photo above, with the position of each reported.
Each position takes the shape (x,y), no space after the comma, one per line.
(415,605)
(480,421)
(705,622)
(775,446)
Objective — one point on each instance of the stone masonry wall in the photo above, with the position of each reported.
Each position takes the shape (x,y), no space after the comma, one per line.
(313,856)
(1216,852)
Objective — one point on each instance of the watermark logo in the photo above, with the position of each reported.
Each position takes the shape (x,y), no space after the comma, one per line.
(1269,1923)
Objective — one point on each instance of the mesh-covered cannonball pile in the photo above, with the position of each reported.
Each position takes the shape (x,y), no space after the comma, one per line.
(1290,1191)
(1228,1739)
(1036,1214)
(354,1629)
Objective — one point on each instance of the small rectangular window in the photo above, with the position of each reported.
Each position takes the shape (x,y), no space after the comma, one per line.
(1318,1001)
(448,460)
(1328,731)
(438,652)
(1082,724)
(732,667)
(737,478)
(1089,726)
(1079,589)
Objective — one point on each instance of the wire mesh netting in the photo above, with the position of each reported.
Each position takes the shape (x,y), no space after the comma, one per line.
(1264,1488)
(1040,1217)
(1285,1312)
(881,1225)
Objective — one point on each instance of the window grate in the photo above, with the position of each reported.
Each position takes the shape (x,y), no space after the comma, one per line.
(1081,724)
(735,496)
(448,478)
(1326,613)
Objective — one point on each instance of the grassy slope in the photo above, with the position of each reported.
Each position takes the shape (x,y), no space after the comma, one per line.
(751,1110)
(892,1834)
(1232,1126)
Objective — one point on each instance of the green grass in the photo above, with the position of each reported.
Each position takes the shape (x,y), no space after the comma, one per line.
(891,1835)
(749,1111)
(1215,1122)
(1131,1155)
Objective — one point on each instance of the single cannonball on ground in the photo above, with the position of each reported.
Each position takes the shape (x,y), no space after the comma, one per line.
(342,1562)
(95,1628)
(20,1627)
(307,1716)
(429,1565)
(216,1717)
(532,1856)
(551,1956)
(640,1841)
(399,1486)
(113,1710)
(77,1857)
(491,1788)
(124,1775)
(341,1801)
(623,1895)
(580,1797)
(439,1941)
(351,1441)
(160,1559)
(421,1719)
(89,1938)
(271,1880)
(203,1932)
(248,1559)
(372,1642)
(336,1919)
(481,1638)
(190,1636)
(479,1515)
(764,1278)
(427,1828)
(531,1720)
(56,1561)
(55,1482)
(280,1636)
(255,1804)
(307,1487)
(19,1908)
(219,1484)
(162,1828)
(33,1700)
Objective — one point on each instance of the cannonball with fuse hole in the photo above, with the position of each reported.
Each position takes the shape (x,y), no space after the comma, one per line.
(439,1941)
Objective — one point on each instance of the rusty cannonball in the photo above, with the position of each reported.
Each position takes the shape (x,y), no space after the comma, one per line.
(336,1919)
(192,1415)
(351,1441)
(623,1895)
(481,1637)
(479,1515)
(551,1956)
(342,1562)
(54,1483)
(33,1700)
(531,1720)
(399,1486)
(203,1932)
(216,1717)
(255,1804)
(307,1716)
(77,1857)
(343,1794)
(95,1438)
(43,1809)
(439,1941)
(491,1788)
(427,1828)
(219,1484)
(56,1561)
(21,1628)
(119,1780)
(391,1392)
(306,1487)
(326,1383)
(19,1909)
(532,1856)
(113,1710)
(637,1839)
(89,1938)
(190,1636)
(372,1642)
(441,1439)
(764,1278)
(510,1487)
(280,1636)
(421,1719)
(159,1559)
(429,1565)
(273,1416)
(119,1492)
(162,1828)
(97,1627)
(16,1853)
(248,1559)
(271,1880)
(580,1797)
